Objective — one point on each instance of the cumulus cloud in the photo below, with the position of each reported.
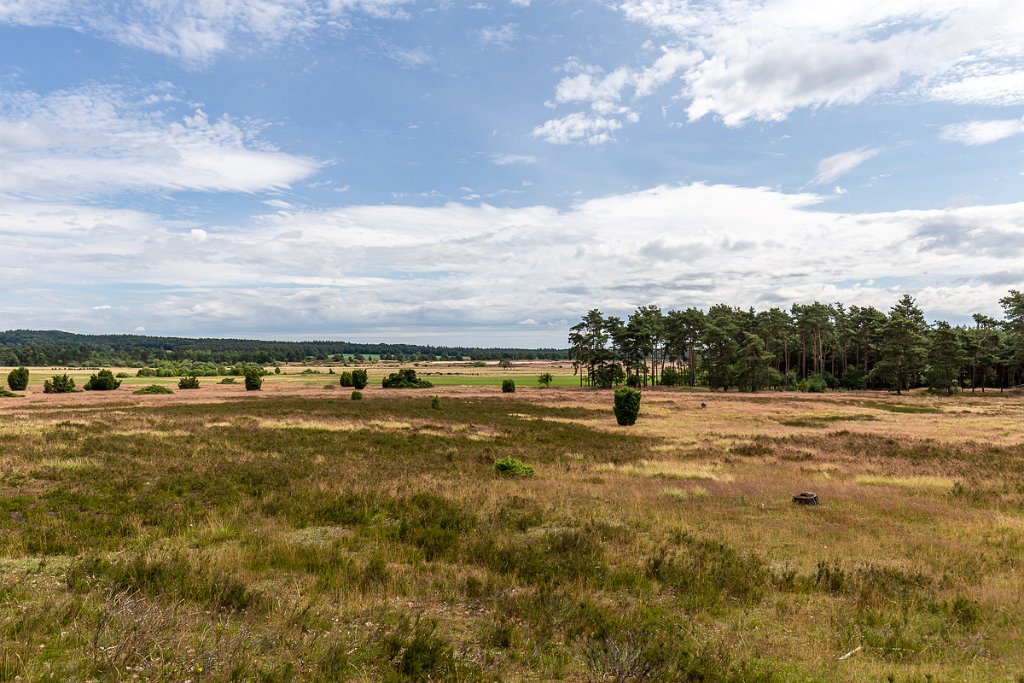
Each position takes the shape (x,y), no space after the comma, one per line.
(973,133)
(578,127)
(744,60)
(422,269)
(100,139)
(832,168)
(196,31)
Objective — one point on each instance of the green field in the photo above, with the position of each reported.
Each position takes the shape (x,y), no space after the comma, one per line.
(281,538)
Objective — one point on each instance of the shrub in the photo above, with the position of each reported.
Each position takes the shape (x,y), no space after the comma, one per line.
(60,384)
(104,380)
(510,467)
(508,386)
(9,394)
(122,375)
(627,405)
(253,380)
(546,379)
(18,379)
(357,395)
(188,382)
(154,389)
(277,369)
(346,379)
(405,379)
(670,377)
(435,403)
(812,384)
(359,379)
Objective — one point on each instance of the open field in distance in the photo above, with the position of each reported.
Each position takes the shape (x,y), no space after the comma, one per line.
(294,534)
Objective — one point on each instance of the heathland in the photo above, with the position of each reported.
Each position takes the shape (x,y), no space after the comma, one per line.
(295,534)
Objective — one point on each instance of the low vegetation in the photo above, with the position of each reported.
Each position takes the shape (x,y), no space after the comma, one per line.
(153,389)
(104,380)
(307,538)
(59,384)
(188,382)
(405,379)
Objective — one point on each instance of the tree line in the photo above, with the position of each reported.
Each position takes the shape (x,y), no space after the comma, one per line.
(809,347)
(52,347)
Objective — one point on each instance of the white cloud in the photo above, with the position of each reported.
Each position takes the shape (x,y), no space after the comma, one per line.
(974,133)
(102,140)
(744,59)
(510,159)
(577,128)
(502,36)
(470,268)
(196,31)
(832,168)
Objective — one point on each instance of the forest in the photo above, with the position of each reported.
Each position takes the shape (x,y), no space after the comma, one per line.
(51,347)
(810,347)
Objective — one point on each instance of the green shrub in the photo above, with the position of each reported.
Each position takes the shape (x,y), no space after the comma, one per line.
(508,386)
(104,380)
(627,405)
(360,379)
(153,389)
(18,379)
(228,380)
(510,467)
(418,652)
(357,395)
(253,380)
(405,379)
(435,403)
(346,379)
(60,384)
(188,382)
(122,375)
(812,384)
(546,379)
(670,377)
(9,394)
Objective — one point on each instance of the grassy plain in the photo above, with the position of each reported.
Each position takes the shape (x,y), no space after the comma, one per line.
(294,534)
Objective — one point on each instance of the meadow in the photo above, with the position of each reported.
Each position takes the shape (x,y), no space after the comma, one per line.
(295,534)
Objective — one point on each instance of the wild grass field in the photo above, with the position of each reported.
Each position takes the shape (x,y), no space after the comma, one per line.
(295,534)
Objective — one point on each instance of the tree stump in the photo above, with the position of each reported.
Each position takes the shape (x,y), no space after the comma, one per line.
(806,498)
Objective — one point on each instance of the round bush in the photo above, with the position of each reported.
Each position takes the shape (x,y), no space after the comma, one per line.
(253,380)
(627,405)
(360,379)
(18,379)
(188,382)
(508,386)
(346,379)
(357,395)
(104,380)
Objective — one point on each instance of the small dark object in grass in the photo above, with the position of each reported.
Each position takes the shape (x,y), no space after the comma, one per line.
(703,405)
(806,498)
(435,403)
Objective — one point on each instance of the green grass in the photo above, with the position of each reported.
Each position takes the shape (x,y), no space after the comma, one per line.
(277,538)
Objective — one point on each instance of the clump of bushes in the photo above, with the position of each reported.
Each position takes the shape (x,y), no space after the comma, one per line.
(510,467)
(508,386)
(627,405)
(17,380)
(188,382)
(227,380)
(671,377)
(360,379)
(812,384)
(122,375)
(357,395)
(154,389)
(253,379)
(9,394)
(104,380)
(404,379)
(59,384)
(346,379)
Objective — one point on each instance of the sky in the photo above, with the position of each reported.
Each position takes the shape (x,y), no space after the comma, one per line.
(484,173)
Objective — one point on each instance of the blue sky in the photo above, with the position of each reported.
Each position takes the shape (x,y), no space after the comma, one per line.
(484,173)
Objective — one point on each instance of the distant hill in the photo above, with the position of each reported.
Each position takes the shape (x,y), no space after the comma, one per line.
(53,347)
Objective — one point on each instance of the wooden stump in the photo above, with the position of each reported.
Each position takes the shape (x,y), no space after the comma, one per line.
(806,498)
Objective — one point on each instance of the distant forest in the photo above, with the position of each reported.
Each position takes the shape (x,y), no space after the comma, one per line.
(51,347)
(810,347)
